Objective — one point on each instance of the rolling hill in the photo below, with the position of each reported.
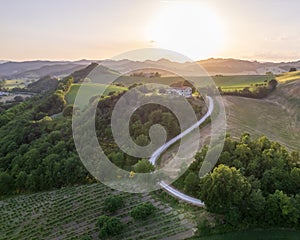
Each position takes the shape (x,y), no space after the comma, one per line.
(277,116)
(214,66)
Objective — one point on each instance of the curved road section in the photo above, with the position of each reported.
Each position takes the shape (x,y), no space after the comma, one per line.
(164,147)
(181,196)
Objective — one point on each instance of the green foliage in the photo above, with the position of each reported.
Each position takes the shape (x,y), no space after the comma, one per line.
(112,204)
(90,90)
(68,111)
(261,90)
(143,211)
(281,211)
(109,226)
(6,183)
(144,166)
(224,189)
(254,183)
(191,184)
(72,213)
(272,84)
(36,151)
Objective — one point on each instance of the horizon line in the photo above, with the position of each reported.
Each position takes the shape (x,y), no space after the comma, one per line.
(107,59)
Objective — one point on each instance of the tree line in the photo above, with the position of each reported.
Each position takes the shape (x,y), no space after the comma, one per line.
(260,91)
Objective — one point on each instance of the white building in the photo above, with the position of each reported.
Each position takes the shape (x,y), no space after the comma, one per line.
(4,93)
(181,91)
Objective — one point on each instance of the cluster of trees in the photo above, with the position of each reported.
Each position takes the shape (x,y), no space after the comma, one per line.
(141,121)
(255,183)
(37,152)
(109,226)
(147,74)
(260,91)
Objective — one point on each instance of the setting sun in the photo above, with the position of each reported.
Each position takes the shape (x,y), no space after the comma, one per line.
(190,28)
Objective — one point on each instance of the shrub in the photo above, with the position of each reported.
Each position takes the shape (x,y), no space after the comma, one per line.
(142,211)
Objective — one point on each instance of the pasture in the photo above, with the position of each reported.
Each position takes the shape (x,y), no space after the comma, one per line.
(90,89)
(226,82)
(13,83)
(277,116)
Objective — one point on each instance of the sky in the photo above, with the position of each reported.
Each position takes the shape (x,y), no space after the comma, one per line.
(263,30)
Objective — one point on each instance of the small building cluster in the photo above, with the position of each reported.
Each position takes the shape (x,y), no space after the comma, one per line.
(4,94)
(181,91)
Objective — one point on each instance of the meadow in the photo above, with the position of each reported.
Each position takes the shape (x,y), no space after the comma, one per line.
(277,116)
(286,77)
(89,90)
(226,82)
(14,83)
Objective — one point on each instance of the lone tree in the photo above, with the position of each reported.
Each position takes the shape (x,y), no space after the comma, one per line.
(272,84)
(18,99)
(112,204)
(142,211)
(109,226)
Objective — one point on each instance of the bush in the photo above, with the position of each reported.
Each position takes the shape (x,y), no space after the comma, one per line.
(109,226)
(112,204)
(142,211)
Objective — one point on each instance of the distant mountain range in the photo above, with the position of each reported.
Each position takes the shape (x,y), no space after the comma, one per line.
(214,66)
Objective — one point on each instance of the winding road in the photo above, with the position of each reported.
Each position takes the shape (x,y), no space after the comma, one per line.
(164,147)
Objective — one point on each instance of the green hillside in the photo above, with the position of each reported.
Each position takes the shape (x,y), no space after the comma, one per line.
(290,76)
(89,90)
(277,116)
(221,81)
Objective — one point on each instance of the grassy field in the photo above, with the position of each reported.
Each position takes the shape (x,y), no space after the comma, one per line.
(286,77)
(223,81)
(89,90)
(241,81)
(277,116)
(9,84)
(71,213)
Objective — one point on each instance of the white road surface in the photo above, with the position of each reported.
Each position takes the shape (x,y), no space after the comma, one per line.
(161,149)
(181,196)
(164,147)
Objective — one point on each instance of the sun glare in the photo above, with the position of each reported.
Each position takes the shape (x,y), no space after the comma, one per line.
(189,28)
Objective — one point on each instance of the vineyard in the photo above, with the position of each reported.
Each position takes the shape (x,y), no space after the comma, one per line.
(71,213)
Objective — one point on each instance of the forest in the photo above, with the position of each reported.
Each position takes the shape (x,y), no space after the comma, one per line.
(37,150)
(256,183)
